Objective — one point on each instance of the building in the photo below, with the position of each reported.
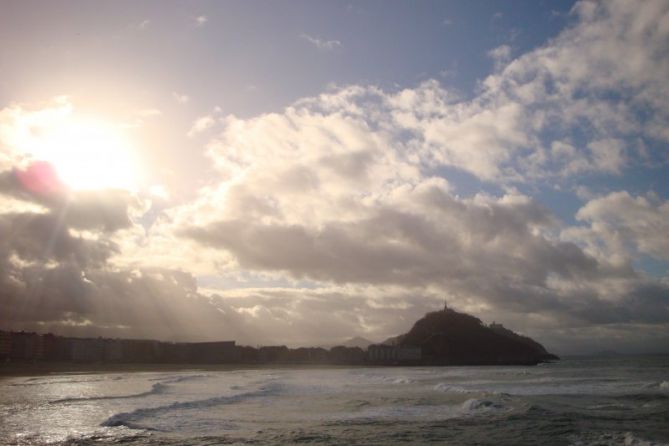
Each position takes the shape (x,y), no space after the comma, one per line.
(273,353)
(87,349)
(389,354)
(139,350)
(173,352)
(56,348)
(5,345)
(26,346)
(347,355)
(213,352)
(248,354)
(409,354)
(309,355)
(113,350)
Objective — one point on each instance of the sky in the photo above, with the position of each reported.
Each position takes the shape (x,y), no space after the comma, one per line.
(303,172)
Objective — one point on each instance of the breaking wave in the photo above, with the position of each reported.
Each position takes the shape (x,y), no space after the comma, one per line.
(474,405)
(156,389)
(129,419)
(179,378)
(401,381)
(448,388)
(40,381)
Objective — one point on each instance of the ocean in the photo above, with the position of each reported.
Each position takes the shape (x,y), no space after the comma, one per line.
(571,402)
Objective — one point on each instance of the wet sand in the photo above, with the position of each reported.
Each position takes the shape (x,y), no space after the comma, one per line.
(27,369)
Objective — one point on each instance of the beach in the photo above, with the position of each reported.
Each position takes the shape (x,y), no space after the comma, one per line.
(573,402)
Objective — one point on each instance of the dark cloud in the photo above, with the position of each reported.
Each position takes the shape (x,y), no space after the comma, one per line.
(493,257)
(461,239)
(35,237)
(150,304)
(106,210)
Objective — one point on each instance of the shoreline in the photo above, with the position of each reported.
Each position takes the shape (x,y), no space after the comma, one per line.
(28,369)
(19,370)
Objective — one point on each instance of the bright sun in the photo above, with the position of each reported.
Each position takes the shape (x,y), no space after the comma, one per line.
(87,154)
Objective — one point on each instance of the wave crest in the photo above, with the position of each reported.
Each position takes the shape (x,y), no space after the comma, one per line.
(448,388)
(474,405)
(156,389)
(129,419)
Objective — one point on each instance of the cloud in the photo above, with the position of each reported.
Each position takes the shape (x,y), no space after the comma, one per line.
(495,256)
(322,44)
(159,304)
(431,240)
(340,189)
(57,273)
(106,210)
(622,225)
(141,116)
(343,200)
(19,127)
(148,112)
(581,82)
(200,21)
(500,55)
(57,246)
(201,124)
(180,98)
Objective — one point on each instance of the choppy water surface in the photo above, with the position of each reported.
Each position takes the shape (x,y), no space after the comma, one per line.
(574,402)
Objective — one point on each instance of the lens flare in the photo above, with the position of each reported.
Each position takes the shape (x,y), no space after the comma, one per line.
(40,178)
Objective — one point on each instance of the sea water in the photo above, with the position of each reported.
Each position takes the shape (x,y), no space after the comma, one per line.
(571,402)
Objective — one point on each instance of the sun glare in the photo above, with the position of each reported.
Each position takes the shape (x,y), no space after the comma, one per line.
(87,154)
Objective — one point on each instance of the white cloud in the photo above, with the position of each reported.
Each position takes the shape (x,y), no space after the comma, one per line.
(140,117)
(500,55)
(201,124)
(159,191)
(608,155)
(622,225)
(322,44)
(200,21)
(180,98)
(584,82)
(18,126)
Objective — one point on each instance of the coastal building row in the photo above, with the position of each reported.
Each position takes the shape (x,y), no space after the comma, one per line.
(26,346)
(390,354)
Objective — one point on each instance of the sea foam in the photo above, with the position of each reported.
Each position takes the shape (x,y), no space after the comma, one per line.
(474,405)
(130,419)
(156,389)
(449,388)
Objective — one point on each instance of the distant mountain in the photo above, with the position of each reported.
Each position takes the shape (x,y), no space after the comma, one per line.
(449,337)
(357,342)
(393,341)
